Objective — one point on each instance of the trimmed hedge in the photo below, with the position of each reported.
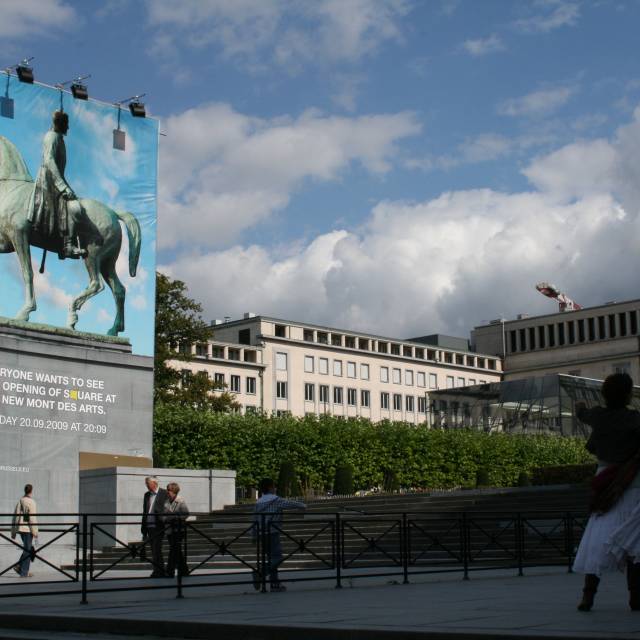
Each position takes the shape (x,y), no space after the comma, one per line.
(564,474)
(343,481)
(412,456)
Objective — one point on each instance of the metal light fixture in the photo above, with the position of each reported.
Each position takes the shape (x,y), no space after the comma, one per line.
(25,71)
(137,108)
(78,88)
(25,74)
(137,111)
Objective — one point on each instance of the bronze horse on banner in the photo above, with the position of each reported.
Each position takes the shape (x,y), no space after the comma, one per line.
(101,235)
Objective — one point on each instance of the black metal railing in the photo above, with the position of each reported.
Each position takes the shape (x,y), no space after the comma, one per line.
(93,553)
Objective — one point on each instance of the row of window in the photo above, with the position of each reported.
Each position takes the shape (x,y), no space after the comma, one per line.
(410,377)
(219,379)
(382,346)
(574,331)
(355,396)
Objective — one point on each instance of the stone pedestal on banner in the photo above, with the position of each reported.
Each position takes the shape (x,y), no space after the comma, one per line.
(67,400)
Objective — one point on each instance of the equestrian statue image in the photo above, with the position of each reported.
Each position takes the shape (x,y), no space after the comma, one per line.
(47,214)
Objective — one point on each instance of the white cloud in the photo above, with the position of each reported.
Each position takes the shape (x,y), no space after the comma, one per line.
(289,32)
(537,103)
(454,261)
(29,18)
(484,46)
(484,147)
(46,291)
(594,166)
(223,172)
(549,15)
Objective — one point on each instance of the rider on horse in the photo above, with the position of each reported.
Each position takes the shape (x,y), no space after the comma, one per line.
(55,210)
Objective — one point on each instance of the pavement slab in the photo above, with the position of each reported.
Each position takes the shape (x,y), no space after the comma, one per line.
(496,604)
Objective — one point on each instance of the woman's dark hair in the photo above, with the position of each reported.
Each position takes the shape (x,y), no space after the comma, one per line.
(617,389)
(27,489)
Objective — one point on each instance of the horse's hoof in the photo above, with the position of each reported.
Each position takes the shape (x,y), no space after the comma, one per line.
(112,332)
(23,314)
(72,321)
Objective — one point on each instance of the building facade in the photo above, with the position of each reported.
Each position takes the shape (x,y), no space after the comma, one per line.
(590,343)
(310,369)
(238,367)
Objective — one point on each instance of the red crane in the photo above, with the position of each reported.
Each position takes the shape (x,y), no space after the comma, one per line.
(551,291)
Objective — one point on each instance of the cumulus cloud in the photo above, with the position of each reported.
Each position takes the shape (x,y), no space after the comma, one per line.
(289,32)
(537,103)
(47,291)
(547,15)
(29,18)
(484,147)
(449,263)
(484,46)
(223,172)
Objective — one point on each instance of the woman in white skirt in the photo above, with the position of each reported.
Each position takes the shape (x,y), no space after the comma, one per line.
(612,536)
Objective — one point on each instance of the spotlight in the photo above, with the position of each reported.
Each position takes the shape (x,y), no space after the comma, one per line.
(78,88)
(79,91)
(24,71)
(137,109)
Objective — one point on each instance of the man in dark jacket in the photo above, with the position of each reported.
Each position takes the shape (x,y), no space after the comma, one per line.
(153,523)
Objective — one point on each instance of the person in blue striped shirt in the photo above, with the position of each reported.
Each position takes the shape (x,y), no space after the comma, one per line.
(268,513)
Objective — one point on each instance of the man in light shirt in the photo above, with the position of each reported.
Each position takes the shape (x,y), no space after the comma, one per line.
(25,523)
(153,524)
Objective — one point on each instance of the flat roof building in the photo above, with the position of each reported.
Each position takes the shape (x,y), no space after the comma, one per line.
(303,368)
(591,342)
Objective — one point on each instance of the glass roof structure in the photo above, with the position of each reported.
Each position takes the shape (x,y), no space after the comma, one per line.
(531,405)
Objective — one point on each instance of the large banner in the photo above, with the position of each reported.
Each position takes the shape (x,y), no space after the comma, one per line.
(65,188)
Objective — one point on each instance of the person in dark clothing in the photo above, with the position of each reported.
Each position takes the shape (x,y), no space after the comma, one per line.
(153,523)
(176,512)
(615,441)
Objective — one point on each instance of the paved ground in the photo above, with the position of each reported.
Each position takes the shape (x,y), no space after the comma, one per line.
(541,604)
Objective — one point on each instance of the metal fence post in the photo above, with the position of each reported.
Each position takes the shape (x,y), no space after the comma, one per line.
(264,552)
(569,541)
(338,552)
(465,539)
(520,543)
(404,548)
(176,543)
(84,559)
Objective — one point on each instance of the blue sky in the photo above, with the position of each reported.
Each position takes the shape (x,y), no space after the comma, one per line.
(124,181)
(402,167)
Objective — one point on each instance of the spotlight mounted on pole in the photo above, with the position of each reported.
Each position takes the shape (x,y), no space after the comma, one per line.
(25,74)
(78,88)
(25,70)
(136,107)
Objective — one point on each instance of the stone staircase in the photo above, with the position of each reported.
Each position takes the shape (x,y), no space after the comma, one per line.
(371,529)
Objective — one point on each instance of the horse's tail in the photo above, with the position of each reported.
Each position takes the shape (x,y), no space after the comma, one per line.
(135,238)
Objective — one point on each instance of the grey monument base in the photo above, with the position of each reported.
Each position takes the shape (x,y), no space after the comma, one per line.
(66,398)
(121,490)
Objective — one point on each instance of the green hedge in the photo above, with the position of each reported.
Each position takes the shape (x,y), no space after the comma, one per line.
(564,474)
(255,446)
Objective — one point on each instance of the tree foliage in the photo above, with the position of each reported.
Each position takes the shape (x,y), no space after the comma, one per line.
(256,446)
(178,323)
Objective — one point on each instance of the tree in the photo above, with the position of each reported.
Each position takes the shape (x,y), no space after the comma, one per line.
(178,326)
